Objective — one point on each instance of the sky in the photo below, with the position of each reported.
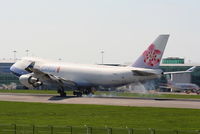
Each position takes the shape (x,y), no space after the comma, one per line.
(78,30)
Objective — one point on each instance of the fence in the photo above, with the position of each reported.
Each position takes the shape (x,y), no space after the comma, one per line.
(28,129)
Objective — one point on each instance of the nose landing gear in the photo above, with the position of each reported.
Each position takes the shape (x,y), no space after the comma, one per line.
(62,92)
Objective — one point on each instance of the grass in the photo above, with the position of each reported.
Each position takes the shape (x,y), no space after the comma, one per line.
(98,115)
(29,91)
(177,96)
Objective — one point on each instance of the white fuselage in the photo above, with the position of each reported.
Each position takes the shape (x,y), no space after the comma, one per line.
(35,72)
(90,75)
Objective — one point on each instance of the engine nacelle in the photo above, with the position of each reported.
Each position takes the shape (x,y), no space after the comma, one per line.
(37,84)
(29,81)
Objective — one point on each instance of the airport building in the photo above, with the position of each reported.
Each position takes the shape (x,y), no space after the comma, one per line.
(6,77)
(168,65)
(178,64)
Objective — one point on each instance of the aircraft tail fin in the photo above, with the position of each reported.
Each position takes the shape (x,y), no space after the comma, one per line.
(151,57)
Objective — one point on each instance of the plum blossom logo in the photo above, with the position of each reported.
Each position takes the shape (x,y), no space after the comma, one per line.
(151,56)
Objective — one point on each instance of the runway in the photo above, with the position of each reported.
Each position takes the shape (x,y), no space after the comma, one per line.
(99,100)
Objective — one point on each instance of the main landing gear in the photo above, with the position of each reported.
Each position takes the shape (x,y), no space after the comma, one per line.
(86,91)
(77,93)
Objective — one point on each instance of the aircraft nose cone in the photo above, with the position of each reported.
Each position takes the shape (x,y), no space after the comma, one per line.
(15,71)
(12,68)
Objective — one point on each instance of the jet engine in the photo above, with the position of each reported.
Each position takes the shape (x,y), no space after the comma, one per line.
(29,81)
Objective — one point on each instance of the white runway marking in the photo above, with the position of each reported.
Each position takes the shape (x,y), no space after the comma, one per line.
(99,101)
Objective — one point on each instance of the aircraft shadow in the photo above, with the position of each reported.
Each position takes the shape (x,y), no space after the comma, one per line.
(54,98)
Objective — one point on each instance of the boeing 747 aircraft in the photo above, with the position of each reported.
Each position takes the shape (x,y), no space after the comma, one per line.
(34,72)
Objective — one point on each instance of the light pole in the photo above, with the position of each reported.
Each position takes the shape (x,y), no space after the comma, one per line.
(14,55)
(102,53)
(27,52)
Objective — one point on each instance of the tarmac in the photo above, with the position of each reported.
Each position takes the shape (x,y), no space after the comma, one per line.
(102,100)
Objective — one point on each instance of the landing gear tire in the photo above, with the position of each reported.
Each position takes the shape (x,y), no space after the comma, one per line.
(63,94)
(78,94)
(88,91)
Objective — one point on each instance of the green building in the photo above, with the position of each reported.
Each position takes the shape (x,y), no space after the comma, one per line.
(173,60)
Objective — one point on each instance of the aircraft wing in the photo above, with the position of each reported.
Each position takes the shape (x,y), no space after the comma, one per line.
(180,72)
(176,72)
(46,77)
